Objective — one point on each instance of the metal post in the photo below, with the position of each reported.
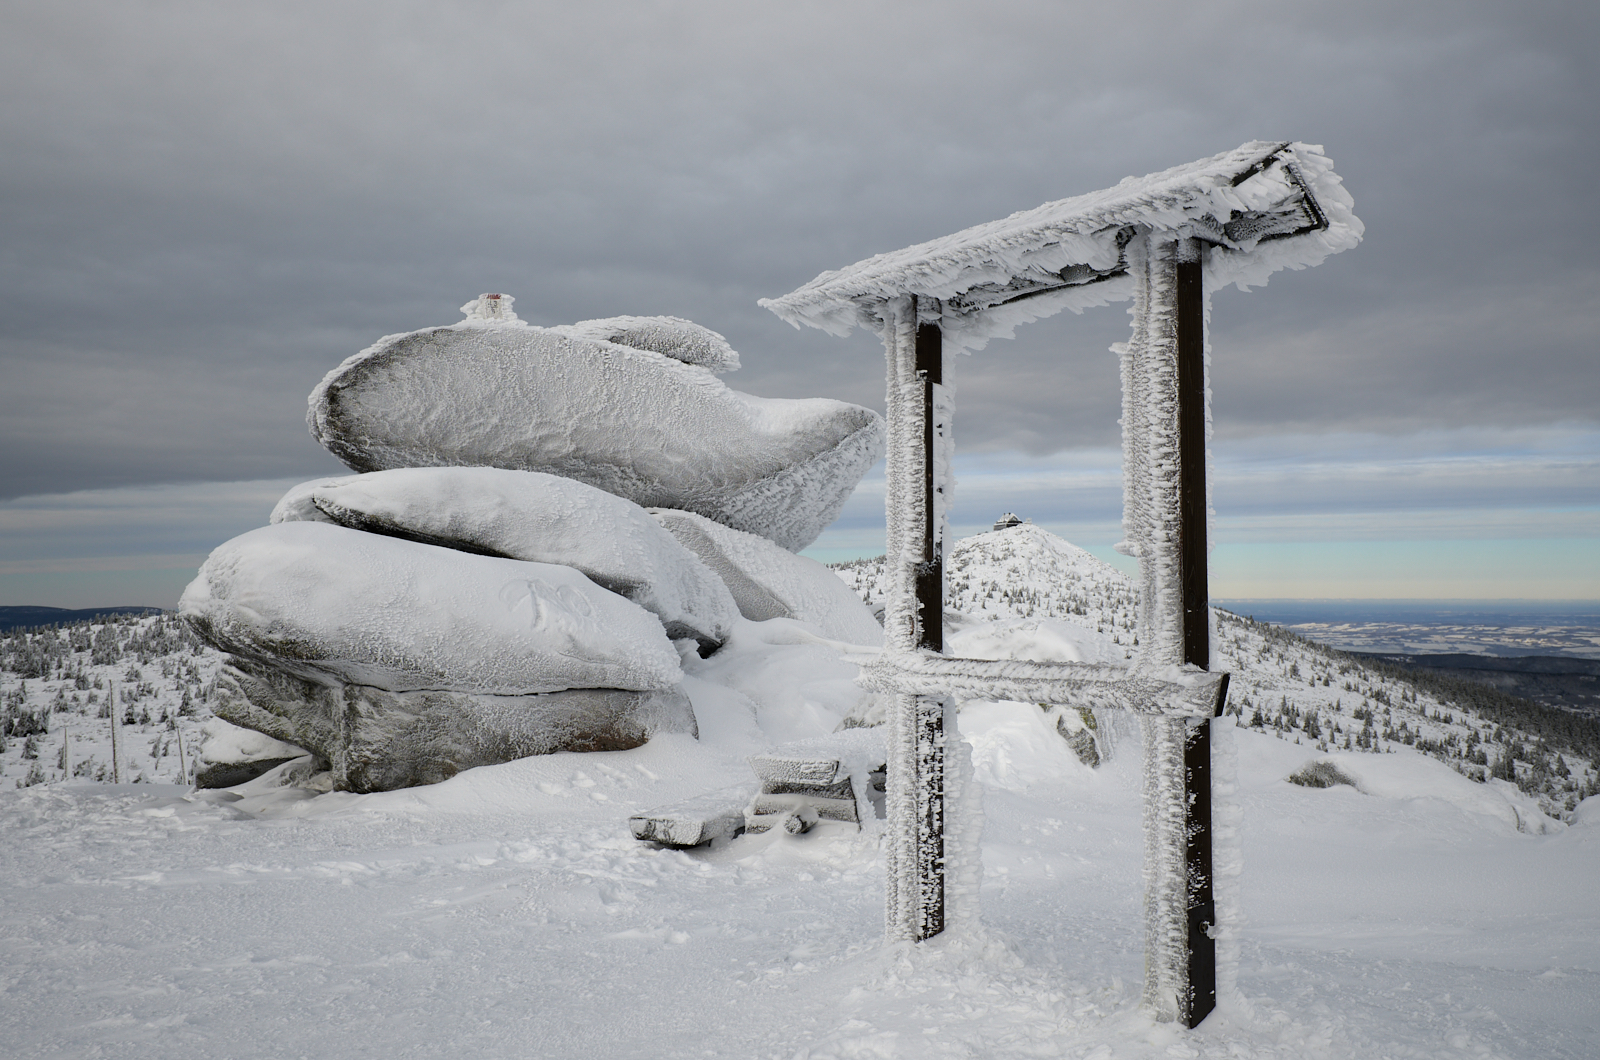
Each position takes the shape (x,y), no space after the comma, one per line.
(914,620)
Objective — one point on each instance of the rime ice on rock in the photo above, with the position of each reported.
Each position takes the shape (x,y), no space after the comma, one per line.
(328,602)
(1167,240)
(642,424)
(682,340)
(296,506)
(769,582)
(541,518)
(372,739)
(401,663)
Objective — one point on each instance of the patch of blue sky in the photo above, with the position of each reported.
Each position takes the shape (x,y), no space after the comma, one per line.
(1490,513)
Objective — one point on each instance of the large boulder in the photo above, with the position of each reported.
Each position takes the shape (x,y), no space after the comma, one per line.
(769,582)
(377,740)
(527,515)
(325,601)
(493,391)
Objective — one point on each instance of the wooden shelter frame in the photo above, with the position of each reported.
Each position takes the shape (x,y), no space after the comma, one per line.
(1169,684)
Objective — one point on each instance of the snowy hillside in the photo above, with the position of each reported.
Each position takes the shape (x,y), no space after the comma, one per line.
(1299,691)
(1406,910)
(1022,572)
(58,686)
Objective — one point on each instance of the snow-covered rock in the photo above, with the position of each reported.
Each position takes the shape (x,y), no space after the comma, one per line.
(297,506)
(527,515)
(376,740)
(769,582)
(634,422)
(682,340)
(232,755)
(326,601)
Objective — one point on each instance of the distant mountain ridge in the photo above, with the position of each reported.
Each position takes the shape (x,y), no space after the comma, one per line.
(1554,680)
(28,616)
(1283,683)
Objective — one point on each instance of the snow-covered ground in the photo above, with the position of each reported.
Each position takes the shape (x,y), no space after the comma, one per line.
(507,913)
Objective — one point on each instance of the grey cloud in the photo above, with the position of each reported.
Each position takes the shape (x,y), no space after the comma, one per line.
(204,207)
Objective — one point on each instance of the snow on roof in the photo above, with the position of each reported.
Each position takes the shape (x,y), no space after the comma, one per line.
(1264,206)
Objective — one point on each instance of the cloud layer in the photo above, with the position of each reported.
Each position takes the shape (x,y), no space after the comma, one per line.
(204,208)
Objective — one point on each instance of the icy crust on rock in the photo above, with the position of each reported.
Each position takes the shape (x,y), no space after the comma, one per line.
(632,422)
(527,515)
(225,744)
(768,582)
(377,740)
(325,601)
(1067,254)
(492,310)
(296,506)
(682,340)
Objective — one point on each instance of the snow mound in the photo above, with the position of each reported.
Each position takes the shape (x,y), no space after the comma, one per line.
(1587,815)
(1413,776)
(682,340)
(1015,745)
(633,422)
(541,518)
(768,582)
(1036,639)
(792,686)
(325,601)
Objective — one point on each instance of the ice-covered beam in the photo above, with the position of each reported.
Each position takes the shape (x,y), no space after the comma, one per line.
(1173,692)
(1264,206)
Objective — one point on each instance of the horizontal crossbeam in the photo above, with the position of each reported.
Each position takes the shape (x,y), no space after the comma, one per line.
(1174,692)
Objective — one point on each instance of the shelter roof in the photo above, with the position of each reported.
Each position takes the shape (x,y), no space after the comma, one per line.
(1264,206)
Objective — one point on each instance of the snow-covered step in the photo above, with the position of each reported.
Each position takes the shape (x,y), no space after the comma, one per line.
(696,821)
(821,779)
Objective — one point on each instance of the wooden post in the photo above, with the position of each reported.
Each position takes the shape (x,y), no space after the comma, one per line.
(116,744)
(1164,431)
(914,618)
(1201,996)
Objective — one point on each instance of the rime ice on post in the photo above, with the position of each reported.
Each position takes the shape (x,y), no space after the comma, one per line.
(1167,241)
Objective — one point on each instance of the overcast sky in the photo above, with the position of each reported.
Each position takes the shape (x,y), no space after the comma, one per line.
(204,207)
